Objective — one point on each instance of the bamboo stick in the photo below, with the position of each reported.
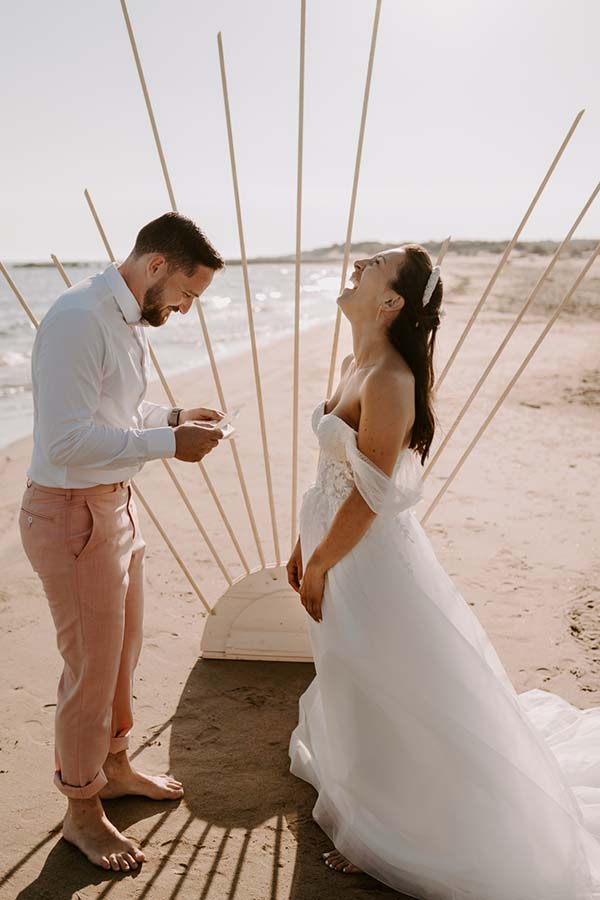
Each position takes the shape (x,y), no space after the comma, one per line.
(511,384)
(163,534)
(232,441)
(96,218)
(198,523)
(61,270)
(259,395)
(19,296)
(140,71)
(361,136)
(509,248)
(223,514)
(443,251)
(529,300)
(296,362)
(172,548)
(172,401)
(170,471)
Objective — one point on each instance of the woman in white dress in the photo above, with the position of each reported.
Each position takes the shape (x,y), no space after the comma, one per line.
(432,773)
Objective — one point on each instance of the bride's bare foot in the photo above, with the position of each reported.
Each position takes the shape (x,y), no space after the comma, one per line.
(87,827)
(123,781)
(340,863)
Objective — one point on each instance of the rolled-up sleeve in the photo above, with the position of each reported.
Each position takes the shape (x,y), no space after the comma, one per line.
(70,357)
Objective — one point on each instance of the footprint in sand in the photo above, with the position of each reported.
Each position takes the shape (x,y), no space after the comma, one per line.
(38,732)
(247,695)
(208,735)
(582,619)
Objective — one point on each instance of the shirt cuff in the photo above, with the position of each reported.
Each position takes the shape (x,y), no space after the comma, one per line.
(167,410)
(160,443)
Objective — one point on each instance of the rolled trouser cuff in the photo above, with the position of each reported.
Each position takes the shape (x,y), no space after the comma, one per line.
(119,743)
(81,793)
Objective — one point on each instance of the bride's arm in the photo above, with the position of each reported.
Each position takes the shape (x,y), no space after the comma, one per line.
(387,405)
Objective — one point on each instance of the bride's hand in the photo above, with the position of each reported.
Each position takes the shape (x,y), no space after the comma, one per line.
(311,590)
(294,567)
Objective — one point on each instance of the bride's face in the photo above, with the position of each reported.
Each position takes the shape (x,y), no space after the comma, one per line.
(370,284)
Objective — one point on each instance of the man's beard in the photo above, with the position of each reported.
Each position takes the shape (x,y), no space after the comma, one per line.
(153,309)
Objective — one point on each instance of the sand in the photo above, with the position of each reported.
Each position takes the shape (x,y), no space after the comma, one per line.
(518,533)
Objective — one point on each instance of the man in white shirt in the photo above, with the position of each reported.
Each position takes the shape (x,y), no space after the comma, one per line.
(93,432)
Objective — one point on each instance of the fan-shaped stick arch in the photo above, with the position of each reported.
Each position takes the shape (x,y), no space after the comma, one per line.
(580,277)
(509,247)
(275,632)
(518,318)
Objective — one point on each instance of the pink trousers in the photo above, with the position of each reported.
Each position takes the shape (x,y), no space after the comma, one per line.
(85,545)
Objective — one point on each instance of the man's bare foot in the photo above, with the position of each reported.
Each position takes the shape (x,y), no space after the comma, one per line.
(87,827)
(156,787)
(123,781)
(340,863)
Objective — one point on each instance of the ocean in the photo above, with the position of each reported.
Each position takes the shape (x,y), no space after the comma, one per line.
(179,345)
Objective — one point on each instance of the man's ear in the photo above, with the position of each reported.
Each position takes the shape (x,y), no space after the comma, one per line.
(156,265)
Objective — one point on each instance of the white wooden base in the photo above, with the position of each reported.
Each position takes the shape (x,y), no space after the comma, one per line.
(258,617)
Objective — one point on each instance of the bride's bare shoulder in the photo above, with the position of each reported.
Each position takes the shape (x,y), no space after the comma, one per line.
(392,385)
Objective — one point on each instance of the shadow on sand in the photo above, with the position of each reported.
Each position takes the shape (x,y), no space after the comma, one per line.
(228,744)
(66,871)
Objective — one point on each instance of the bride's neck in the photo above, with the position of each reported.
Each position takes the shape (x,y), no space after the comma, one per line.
(369,342)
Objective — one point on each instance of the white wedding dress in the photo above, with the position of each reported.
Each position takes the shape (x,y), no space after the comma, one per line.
(433,774)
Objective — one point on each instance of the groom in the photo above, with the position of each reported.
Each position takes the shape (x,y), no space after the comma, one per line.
(93,432)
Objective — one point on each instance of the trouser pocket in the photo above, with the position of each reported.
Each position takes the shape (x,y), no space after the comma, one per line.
(81,528)
(41,524)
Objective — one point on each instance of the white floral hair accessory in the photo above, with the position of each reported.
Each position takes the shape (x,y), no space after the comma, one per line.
(431,283)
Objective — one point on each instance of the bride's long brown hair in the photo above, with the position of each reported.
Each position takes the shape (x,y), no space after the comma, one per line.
(413,333)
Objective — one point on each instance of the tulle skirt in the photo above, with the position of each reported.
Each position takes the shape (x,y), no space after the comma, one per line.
(432,773)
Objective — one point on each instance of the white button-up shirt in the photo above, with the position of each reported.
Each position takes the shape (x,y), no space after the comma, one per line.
(91,424)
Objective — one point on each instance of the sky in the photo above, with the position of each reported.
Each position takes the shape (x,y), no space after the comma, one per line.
(469,102)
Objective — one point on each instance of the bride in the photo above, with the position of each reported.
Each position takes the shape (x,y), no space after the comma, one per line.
(432,773)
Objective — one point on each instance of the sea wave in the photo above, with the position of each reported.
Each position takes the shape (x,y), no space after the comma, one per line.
(13,358)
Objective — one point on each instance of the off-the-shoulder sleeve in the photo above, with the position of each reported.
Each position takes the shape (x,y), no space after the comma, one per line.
(385,495)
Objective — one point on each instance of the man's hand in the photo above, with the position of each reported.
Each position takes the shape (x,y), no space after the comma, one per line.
(193,442)
(294,567)
(200,414)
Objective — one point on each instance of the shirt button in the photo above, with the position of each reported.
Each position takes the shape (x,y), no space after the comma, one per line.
(29,521)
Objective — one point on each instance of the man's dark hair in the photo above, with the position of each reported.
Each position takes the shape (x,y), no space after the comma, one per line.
(180,241)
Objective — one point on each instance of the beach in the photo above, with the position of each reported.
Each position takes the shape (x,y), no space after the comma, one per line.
(517,532)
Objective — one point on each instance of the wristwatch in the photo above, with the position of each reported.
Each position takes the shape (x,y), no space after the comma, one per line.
(173,417)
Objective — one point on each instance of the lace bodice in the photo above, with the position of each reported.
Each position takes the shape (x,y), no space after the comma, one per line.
(342,466)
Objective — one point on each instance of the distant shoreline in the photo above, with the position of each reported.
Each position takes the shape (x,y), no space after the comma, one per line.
(335,252)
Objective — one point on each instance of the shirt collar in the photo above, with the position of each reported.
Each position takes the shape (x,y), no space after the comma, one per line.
(127,303)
